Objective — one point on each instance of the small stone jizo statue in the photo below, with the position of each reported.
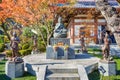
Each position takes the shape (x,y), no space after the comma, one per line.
(83,48)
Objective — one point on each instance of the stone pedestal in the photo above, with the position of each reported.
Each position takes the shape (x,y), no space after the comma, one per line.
(65,41)
(60,53)
(50,52)
(107,68)
(13,69)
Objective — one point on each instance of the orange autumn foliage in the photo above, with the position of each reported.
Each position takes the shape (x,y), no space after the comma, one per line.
(5,10)
(26,12)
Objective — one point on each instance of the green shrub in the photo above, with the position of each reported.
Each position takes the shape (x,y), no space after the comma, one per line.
(90,49)
(25,46)
(42,48)
(2,46)
(94,49)
(23,52)
(98,50)
(6,40)
(115,57)
(1,38)
(27,32)
(8,53)
(29,51)
(31,47)
(20,46)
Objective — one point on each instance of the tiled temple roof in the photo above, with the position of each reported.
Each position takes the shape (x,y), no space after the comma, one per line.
(89,4)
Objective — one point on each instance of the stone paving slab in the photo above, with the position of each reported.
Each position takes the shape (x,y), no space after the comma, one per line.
(64,75)
(40,59)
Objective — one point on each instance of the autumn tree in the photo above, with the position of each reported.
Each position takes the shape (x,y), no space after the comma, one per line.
(33,13)
(4,14)
(27,12)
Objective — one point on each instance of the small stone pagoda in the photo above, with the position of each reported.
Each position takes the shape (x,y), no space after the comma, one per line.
(59,47)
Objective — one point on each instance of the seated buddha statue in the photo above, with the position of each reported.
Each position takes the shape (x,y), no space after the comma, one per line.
(60,31)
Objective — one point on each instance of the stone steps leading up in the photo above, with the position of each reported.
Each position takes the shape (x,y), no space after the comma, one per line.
(62,72)
(66,68)
(63,76)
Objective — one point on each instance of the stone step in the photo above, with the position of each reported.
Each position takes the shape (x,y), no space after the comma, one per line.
(63,76)
(62,69)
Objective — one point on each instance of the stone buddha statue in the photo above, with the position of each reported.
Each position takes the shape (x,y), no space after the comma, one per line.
(60,31)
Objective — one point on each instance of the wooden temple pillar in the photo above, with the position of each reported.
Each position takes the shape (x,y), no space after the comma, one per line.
(96,28)
(72,32)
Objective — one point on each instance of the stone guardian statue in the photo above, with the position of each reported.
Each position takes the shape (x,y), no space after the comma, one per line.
(14,45)
(106,47)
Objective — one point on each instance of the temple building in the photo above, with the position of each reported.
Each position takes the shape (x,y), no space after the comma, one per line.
(83,18)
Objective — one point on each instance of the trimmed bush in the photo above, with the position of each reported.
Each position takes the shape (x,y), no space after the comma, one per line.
(8,53)
(42,48)
(25,46)
(6,40)
(31,47)
(2,46)
(23,52)
(98,50)
(20,46)
(1,38)
(27,32)
(94,49)
(29,51)
(90,49)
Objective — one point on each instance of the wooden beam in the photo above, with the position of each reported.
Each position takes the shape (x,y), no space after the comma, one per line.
(89,23)
(86,17)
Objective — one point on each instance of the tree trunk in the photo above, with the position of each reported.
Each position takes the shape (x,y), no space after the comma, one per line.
(40,32)
(48,38)
(111,16)
(42,37)
(5,31)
